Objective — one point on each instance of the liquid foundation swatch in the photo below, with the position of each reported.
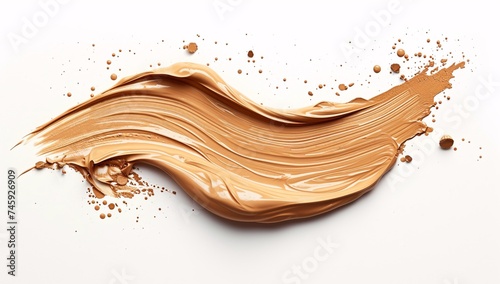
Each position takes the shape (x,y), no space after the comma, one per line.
(238,159)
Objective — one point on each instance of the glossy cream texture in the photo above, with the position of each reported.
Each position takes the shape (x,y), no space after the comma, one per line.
(238,159)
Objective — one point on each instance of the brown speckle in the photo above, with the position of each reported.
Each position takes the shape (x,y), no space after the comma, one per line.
(446,142)
(192,47)
(395,67)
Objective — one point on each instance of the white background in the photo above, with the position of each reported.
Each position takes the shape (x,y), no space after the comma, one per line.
(435,220)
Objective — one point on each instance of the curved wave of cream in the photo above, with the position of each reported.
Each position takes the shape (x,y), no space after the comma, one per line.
(239,160)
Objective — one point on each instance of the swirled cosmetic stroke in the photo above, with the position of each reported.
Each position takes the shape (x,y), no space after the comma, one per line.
(240,160)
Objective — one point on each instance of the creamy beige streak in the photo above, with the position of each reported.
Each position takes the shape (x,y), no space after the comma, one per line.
(239,160)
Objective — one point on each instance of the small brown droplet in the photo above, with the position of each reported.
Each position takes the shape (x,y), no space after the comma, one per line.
(395,67)
(102,216)
(310,93)
(108,62)
(400,52)
(92,88)
(111,206)
(446,142)
(250,53)
(192,47)
(239,71)
(342,87)
(109,215)
(377,68)
(113,76)
(69,94)
(104,202)
(97,207)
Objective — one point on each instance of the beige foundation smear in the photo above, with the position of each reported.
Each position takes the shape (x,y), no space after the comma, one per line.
(238,159)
